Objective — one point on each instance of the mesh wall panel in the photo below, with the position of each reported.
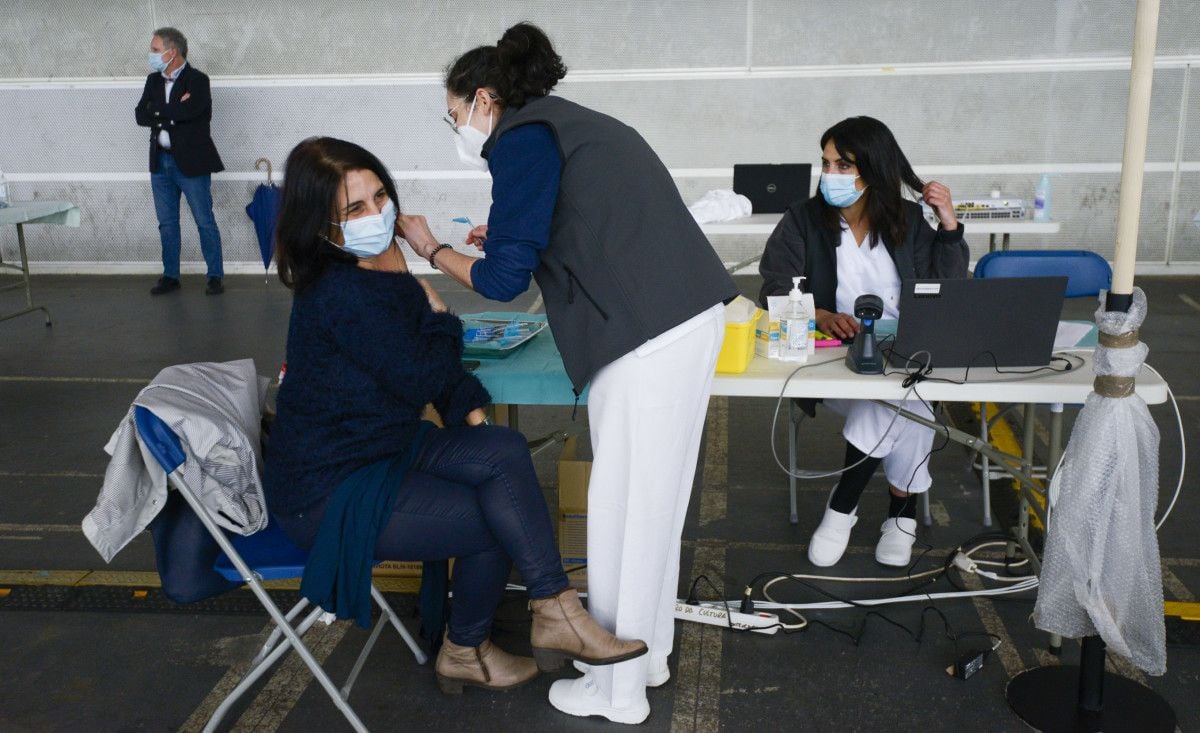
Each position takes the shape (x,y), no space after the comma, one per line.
(991,120)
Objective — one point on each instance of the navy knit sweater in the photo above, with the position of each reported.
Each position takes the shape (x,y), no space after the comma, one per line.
(365,354)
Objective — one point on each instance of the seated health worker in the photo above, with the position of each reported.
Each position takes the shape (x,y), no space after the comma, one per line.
(859,235)
(368,347)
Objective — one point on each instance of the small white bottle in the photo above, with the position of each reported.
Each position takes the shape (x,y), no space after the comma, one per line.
(1041,200)
(3,191)
(795,326)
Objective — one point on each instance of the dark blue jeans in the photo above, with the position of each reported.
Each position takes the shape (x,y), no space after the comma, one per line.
(167,184)
(472,494)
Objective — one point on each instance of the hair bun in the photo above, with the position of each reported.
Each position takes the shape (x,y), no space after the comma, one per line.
(528,64)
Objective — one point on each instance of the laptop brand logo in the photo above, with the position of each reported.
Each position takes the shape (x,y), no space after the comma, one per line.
(771,188)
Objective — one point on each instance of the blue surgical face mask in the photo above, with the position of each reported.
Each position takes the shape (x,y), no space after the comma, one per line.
(370,236)
(838,189)
(156,61)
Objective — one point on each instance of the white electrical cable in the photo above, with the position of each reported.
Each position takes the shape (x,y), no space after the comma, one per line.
(1182,452)
(1019,587)
(839,471)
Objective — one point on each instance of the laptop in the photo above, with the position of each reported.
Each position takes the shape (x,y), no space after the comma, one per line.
(978,323)
(772,188)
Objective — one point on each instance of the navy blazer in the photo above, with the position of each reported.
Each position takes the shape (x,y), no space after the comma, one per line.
(186,122)
(802,245)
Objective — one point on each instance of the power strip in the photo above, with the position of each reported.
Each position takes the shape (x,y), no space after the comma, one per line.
(760,623)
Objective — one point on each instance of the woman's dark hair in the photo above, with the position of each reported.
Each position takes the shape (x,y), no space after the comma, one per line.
(316,169)
(521,66)
(871,146)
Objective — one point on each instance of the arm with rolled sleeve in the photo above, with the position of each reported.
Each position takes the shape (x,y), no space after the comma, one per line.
(526,167)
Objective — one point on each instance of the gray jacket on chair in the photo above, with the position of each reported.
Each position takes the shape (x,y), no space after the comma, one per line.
(215,409)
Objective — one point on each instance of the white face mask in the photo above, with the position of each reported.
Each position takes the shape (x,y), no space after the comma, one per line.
(469,142)
(370,236)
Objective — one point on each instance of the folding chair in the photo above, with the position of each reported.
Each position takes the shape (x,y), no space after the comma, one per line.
(1087,275)
(265,555)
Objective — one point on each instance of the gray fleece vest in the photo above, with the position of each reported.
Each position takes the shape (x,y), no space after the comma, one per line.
(626,261)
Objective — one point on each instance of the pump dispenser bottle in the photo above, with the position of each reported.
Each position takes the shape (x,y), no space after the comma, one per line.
(796,325)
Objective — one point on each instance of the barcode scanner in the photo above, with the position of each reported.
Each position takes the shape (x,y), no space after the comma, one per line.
(864,356)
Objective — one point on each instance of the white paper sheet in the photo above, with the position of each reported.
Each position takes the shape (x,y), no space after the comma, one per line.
(1069,333)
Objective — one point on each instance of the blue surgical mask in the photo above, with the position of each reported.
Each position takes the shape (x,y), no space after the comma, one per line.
(370,236)
(156,61)
(838,189)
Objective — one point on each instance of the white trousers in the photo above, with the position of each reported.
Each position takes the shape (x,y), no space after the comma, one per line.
(646,414)
(905,448)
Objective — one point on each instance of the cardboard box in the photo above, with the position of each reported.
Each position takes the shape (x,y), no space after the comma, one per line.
(398,569)
(401,568)
(573,476)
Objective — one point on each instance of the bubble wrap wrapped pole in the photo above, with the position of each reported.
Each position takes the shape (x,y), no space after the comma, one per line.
(1101,573)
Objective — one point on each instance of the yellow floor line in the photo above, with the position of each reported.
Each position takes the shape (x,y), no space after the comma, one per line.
(1184,610)
(1001,436)
(135,579)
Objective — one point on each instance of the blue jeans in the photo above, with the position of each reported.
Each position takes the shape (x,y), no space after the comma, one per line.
(472,494)
(166,184)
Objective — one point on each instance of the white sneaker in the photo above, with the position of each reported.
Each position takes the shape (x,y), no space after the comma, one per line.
(829,542)
(895,544)
(659,672)
(582,697)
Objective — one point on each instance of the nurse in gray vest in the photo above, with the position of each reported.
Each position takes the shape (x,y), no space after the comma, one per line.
(634,295)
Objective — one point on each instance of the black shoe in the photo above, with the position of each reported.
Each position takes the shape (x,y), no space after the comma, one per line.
(214,286)
(164,285)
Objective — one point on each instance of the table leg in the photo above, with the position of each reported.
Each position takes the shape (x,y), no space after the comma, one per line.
(1027,467)
(24,270)
(985,481)
(505,415)
(793,424)
(1004,244)
(991,243)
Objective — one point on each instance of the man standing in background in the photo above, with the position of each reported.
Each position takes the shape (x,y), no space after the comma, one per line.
(176,105)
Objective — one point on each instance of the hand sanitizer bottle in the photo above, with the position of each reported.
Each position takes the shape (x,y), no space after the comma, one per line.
(795,326)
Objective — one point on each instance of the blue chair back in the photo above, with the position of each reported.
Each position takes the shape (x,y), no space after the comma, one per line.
(1087,272)
(269,552)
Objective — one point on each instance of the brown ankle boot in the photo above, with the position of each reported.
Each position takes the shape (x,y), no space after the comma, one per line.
(487,666)
(562,630)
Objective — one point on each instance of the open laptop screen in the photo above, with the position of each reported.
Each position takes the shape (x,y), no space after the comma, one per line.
(772,188)
(1003,322)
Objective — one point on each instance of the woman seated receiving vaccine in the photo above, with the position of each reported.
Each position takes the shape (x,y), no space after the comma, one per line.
(860,235)
(368,347)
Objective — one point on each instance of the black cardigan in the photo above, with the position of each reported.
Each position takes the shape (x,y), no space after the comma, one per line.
(801,245)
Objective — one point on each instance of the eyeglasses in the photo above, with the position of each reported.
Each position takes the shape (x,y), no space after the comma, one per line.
(448,118)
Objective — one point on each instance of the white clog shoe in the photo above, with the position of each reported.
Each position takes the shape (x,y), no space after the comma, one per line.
(896,542)
(829,542)
(581,697)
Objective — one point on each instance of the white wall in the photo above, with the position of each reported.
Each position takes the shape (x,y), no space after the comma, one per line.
(981,95)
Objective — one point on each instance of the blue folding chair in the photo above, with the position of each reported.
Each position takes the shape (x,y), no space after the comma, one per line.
(1087,274)
(265,555)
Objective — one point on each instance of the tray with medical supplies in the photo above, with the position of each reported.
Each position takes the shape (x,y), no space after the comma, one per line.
(497,338)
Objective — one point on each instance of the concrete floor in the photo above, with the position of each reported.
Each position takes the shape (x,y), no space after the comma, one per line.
(104,665)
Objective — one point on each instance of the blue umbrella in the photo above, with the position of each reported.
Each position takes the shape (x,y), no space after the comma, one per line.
(263,210)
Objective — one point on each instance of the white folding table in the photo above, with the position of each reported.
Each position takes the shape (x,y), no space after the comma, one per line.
(21,213)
